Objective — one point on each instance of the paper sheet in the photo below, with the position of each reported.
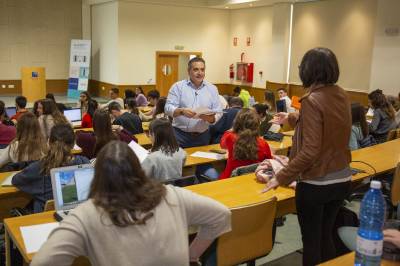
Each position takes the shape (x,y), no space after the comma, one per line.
(34,236)
(208,155)
(202,111)
(274,128)
(140,152)
(77,148)
(7,182)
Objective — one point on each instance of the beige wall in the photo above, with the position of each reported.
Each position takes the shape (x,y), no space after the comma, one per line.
(38,33)
(346,27)
(268,29)
(145,29)
(385,69)
(105,42)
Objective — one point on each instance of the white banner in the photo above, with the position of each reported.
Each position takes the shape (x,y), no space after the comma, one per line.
(79,65)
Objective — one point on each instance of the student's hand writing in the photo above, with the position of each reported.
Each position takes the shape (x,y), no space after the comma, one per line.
(392,236)
(273,183)
(280,118)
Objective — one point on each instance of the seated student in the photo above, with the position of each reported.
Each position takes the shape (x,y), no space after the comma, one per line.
(243,143)
(359,127)
(87,119)
(49,116)
(35,179)
(20,104)
(269,99)
(140,98)
(226,121)
(131,106)
(132,220)
(159,109)
(60,106)
(242,94)
(84,99)
(129,121)
(396,105)
(7,131)
(264,116)
(152,96)
(92,142)
(35,108)
(283,95)
(29,143)
(384,116)
(114,96)
(166,159)
(129,94)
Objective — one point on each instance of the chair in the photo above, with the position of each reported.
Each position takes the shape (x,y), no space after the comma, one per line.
(296,102)
(251,235)
(242,170)
(49,206)
(393,134)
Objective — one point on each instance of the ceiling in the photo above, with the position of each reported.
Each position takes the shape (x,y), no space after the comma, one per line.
(222,4)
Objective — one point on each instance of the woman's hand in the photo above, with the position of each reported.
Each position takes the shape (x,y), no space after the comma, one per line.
(392,236)
(273,183)
(280,118)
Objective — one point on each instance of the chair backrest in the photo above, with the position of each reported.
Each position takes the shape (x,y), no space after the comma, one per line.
(296,102)
(393,134)
(251,235)
(395,188)
(49,206)
(242,170)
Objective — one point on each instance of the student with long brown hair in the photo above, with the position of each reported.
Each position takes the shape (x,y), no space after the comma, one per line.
(35,179)
(29,143)
(92,142)
(384,116)
(359,127)
(49,115)
(131,219)
(243,143)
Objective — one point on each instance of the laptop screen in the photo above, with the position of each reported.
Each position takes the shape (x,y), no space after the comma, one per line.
(281,106)
(71,185)
(11,111)
(73,115)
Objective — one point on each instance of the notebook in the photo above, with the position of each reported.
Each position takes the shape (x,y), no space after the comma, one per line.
(71,187)
(74,116)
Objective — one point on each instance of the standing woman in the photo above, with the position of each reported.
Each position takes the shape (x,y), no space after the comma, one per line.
(320,154)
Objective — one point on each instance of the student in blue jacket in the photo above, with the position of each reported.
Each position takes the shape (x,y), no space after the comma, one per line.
(35,179)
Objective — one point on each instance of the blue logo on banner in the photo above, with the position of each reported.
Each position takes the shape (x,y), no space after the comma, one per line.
(73,83)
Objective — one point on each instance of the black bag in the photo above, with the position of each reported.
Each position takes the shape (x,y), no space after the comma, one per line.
(345,217)
(273,136)
(367,141)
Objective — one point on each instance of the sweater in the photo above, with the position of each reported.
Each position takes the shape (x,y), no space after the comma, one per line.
(355,136)
(162,167)
(7,134)
(130,122)
(381,125)
(162,240)
(223,124)
(87,121)
(228,142)
(32,181)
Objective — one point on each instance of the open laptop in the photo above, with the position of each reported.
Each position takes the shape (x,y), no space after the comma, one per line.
(11,111)
(281,106)
(71,187)
(74,116)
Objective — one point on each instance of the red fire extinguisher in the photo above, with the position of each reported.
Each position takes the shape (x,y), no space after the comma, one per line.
(231,71)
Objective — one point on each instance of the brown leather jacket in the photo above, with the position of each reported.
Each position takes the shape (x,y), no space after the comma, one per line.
(322,133)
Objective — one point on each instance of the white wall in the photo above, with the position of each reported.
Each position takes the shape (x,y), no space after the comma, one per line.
(105,42)
(385,69)
(38,33)
(145,29)
(268,29)
(347,27)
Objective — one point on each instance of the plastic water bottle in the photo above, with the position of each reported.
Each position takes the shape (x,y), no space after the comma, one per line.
(370,235)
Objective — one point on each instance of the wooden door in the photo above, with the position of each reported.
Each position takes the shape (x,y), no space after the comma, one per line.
(167,72)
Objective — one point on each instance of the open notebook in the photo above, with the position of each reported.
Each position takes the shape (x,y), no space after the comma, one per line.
(7,182)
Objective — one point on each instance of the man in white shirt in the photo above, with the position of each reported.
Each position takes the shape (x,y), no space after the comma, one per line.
(114,95)
(282,92)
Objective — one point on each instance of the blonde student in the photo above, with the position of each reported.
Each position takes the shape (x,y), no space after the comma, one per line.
(29,143)
(131,219)
(166,159)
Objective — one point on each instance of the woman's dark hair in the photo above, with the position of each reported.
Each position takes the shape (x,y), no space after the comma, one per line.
(50,108)
(61,142)
(358,118)
(92,107)
(20,101)
(164,137)
(394,102)
(269,97)
(379,101)
(88,97)
(121,188)
(246,126)
(140,89)
(131,105)
(261,109)
(51,97)
(319,66)
(102,129)
(129,94)
(160,106)
(35,107)
(3,113)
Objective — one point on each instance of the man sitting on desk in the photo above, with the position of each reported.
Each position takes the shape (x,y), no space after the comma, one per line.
(188,96)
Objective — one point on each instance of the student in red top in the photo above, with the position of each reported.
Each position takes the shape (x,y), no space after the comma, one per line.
(243,143)
(87,119)
(20,104)
(7,132)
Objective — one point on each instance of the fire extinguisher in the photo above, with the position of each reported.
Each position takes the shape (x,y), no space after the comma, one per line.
(231,71)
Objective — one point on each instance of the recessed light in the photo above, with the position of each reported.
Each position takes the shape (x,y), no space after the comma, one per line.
(227,7)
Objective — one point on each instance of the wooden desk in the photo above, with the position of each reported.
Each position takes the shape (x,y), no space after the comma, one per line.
(348,259)
(145,109)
